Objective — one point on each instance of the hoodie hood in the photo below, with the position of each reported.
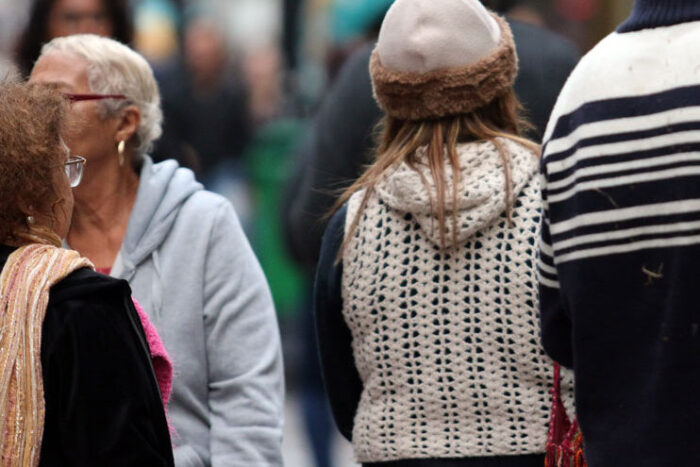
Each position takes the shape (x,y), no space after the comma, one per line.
(163,189)
(481,194)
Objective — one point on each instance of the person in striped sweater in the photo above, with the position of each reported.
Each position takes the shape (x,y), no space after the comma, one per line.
(620,239)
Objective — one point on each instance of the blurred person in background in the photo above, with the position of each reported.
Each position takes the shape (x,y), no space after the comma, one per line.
(331,156)
(57,18)
(344,123)
(352,24)
(620,251)
(546,59)
(291,29)
(183,252)
(205,102)
(77,386)
(340,139)
(263,72)
(157,33)
(426,289)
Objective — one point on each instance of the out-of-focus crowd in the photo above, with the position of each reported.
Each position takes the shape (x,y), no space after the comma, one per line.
(270,103)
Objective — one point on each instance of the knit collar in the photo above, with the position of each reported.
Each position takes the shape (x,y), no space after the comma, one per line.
(656,13)
(481,194)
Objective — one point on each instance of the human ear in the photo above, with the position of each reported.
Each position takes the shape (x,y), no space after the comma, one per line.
(128,124)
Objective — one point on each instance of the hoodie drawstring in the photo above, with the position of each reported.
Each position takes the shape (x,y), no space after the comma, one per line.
(156,286)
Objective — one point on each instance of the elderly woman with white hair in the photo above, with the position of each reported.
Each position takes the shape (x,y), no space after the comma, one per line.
(182,250)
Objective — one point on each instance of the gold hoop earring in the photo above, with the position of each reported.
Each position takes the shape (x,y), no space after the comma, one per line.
(120,150)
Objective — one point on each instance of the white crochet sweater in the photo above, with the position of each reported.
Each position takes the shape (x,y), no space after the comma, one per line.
(447,342)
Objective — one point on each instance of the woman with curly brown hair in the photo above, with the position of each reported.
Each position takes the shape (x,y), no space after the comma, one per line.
(76,382)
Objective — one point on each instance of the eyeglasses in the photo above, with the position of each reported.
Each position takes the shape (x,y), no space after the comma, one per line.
(91,97)
(74,170)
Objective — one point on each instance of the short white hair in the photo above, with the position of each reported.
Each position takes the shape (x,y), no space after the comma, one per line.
(114,68)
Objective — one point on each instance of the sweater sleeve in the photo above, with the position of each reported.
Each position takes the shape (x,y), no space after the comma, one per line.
(340,375)
(102,403)
(555,321)
(245,375)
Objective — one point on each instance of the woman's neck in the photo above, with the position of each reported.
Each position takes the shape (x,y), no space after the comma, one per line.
(656,13)
(103,204)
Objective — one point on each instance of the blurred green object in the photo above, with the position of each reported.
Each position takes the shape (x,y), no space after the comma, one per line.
(269,161)
(351,19)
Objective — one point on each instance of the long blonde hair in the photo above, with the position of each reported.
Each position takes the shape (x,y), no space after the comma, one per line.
(399,141)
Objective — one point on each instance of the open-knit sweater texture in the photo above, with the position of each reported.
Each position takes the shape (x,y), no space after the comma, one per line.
(446,340)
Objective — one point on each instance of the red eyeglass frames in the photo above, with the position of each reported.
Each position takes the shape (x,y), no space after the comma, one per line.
(91,97)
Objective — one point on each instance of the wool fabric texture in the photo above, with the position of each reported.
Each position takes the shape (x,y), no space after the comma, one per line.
(620,245)
(162,365)
(446,341)
(649,14)
(438,59)
(28,275)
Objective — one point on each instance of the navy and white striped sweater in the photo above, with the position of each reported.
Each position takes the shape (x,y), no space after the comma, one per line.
(620,249)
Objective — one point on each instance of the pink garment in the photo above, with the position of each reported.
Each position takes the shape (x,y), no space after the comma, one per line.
(162,364)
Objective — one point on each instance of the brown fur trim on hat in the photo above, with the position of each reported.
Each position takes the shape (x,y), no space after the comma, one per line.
(448,91)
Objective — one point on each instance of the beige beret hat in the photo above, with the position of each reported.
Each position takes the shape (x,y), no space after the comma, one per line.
(436,58)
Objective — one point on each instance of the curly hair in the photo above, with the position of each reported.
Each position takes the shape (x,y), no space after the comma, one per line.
(31,119)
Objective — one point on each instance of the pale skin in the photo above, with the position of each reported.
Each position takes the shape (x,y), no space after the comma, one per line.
(78,16)
(106,195)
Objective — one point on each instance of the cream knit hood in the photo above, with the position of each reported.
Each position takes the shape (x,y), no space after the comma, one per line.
(481,197)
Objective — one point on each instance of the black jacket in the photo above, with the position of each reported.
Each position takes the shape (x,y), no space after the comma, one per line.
(103,405)
(332,156)
(545,61)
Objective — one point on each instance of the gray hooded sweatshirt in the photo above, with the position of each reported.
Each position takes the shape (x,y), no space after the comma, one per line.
(192,270)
